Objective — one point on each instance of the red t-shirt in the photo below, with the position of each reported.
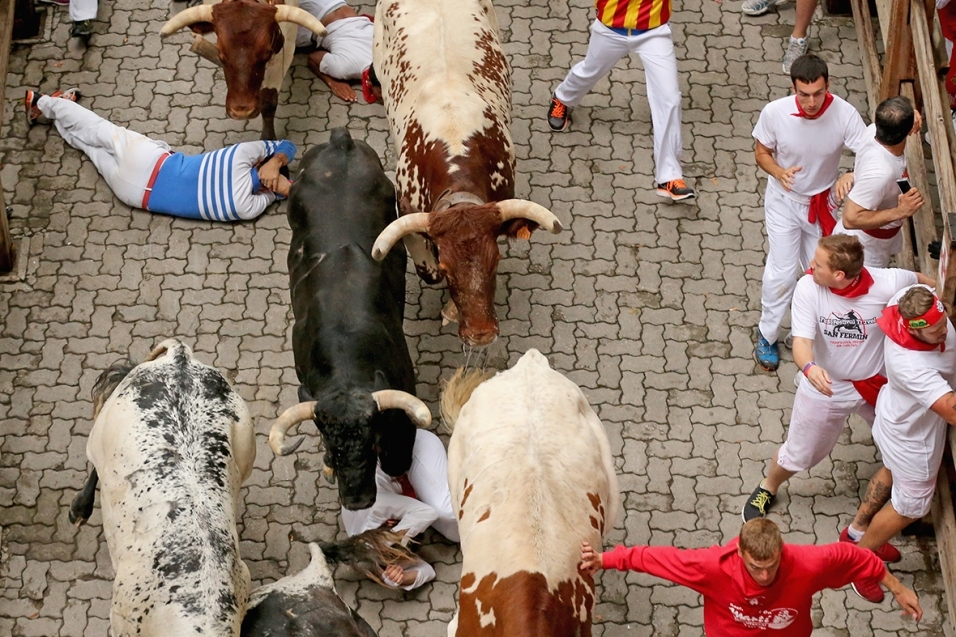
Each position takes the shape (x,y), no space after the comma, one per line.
(734,604)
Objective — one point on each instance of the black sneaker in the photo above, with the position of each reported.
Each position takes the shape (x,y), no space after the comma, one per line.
(757,504)
(32,110)
(559,116)
(82,29)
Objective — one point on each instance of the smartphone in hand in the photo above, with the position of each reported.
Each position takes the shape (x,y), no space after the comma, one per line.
(904,185)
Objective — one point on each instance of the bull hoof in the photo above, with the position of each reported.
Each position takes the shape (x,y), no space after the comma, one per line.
(449,313)
(80,510)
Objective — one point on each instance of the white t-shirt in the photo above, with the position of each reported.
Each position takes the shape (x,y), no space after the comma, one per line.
(814,144)
(911,437)
(847,342)
(874,177)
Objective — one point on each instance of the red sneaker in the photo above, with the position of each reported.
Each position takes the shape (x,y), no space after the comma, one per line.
(870,591)
(888,553)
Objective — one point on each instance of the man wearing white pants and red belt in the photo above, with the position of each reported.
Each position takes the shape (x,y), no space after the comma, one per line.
(232,184)
(839,346)
(639,27)
(799,141)
(875,207)
(913,415)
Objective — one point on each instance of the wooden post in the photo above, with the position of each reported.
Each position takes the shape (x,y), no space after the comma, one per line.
(944,521)
(898,64)
(6,33)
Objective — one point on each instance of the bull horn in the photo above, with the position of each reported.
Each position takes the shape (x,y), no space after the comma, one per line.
(286,13)
(397,399)
(523,209)
(185,18)
(406,224)
(289,418)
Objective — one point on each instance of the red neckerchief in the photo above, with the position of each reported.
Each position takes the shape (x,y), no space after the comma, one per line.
(407,489)
(827,100)
(893,326)
(860,286)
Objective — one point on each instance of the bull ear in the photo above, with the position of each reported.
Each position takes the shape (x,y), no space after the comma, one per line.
(277,40)
(202,28)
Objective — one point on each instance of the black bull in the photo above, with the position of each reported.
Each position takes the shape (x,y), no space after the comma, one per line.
(348,340)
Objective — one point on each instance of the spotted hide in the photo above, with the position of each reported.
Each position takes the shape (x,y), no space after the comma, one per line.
(531,474)
(170,447)
(447,91)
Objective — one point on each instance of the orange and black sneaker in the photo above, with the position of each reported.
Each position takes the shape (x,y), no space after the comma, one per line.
(32,110)
(676,189)
(559,116)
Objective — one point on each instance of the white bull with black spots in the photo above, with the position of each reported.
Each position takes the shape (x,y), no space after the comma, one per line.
(171,444)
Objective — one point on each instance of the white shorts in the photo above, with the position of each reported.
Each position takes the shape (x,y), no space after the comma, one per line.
(815,427)
(876,252)
(912,498)
(349,46)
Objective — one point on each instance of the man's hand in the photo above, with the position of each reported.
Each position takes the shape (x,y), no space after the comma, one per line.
(787,177)
(904,597)
(843,186)
(820,379)
(395,575)
(590,560)
(909,203)
(917,123)
(269,173)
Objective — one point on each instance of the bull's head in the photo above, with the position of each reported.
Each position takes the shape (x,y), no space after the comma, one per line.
(466,237)
(351,448)
(247,37)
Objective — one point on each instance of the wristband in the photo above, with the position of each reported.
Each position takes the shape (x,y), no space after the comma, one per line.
(808,366)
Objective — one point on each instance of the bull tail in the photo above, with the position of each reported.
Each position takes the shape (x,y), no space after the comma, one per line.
(369,552)
(108,381)
(457,390)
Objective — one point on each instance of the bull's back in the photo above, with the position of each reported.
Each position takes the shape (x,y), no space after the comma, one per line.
(168,485)
(531,474)
(447,89)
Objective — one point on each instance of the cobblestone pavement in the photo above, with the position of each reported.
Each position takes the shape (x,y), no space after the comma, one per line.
(649,306)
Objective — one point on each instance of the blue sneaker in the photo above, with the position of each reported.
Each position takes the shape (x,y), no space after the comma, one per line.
(767,355)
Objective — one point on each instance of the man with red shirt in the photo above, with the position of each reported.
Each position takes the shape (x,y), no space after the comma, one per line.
(913,414)
(640,27)
(756,583)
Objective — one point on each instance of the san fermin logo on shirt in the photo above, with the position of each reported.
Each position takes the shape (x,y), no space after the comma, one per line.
(850,326)
(773,618)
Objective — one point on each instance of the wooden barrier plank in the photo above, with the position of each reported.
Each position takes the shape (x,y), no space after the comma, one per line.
(944,521)
(897,65)
(924,221)
(872,74)
(6,33)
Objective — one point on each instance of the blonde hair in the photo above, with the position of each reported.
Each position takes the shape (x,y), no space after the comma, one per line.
(760,539)
(915,302)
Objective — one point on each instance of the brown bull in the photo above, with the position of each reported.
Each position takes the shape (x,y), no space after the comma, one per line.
(255,43)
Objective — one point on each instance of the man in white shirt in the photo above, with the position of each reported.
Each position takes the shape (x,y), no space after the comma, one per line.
(912,417)
(411,503)
(875,207)
(799,141)
(345,51)
(839,346)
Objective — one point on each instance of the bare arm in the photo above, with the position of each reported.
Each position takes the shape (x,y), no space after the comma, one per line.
(769,165)
(855,217)
(905,597)
(925,280)
(945,408)
(803,355)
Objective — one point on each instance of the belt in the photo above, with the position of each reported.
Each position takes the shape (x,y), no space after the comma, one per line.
(152,179)
(626,31)
(883,233)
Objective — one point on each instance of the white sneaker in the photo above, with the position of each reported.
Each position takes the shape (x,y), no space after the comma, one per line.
(759,7)
(796,48)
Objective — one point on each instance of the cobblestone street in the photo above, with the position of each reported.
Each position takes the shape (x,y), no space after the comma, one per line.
(649,306)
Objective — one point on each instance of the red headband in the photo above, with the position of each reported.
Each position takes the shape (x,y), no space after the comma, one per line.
(930,317)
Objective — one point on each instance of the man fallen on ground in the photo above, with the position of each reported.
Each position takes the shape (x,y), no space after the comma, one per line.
(232,184)
(345,51)
(756,582)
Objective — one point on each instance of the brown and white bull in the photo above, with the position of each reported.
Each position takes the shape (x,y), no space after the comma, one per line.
(447,91)
(255,43)
(531,474)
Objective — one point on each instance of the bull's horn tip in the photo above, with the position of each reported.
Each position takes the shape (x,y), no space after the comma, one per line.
(377,254)
(556,227)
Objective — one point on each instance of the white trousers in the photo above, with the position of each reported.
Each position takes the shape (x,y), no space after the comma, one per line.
(793,240)
(124,158)
(816,423)
(656,50)
(876,252)
(83,10)
(349,46)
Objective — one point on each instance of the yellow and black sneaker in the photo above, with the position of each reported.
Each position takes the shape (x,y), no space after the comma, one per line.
(757,504)
(676,189)
(559,115)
